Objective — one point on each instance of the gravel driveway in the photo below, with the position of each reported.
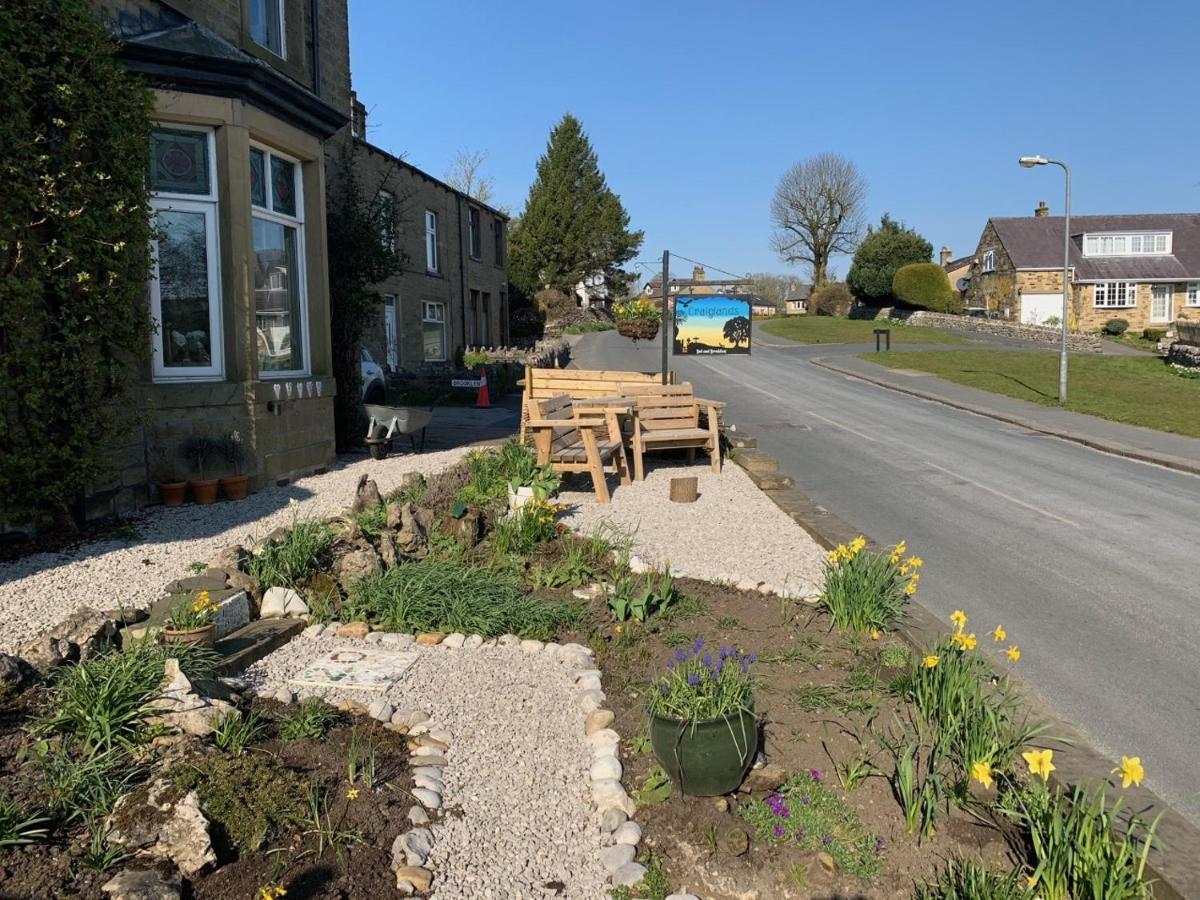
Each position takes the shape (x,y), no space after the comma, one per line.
(41,590)
(732,533)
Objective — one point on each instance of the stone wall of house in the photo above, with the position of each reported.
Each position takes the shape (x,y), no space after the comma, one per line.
(997,289)
(977,325)
(1138,317)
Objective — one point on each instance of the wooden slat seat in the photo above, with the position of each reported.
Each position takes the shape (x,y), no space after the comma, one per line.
(575,442)
(578,384)
(669,417)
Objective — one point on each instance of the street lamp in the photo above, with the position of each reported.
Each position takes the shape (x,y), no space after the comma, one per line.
(1029,162)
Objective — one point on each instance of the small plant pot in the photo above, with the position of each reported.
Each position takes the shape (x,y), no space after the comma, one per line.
(638,329)
(378,447)
(234,487)
(205,492)
(706,758)
(172,492)
(519,497)
(199,637)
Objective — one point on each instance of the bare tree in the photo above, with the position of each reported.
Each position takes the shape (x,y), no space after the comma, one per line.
(818,211)
(464,174)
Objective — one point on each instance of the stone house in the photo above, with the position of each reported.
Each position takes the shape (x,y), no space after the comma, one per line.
(958,270)
(796,303)
(1144,268)
(453,292)
(246,93)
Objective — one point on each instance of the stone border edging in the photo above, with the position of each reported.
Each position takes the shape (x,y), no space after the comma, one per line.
(1176,865)
(1145,456)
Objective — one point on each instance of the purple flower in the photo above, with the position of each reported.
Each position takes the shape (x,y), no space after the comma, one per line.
(826,840)
(816,775)
(698,646)
(879,842)
(708,660)
(778,831)
(715,675)
(693,678)
(804,799)
(680,655)
(671,665)
(751,659)
(662,688)
(779,806)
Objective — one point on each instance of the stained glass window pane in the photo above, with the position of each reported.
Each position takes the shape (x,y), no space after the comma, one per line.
(283,186)
(183,288)
(258,177)
(179,161)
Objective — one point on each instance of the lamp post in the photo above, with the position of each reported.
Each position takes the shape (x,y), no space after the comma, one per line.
(1029,162)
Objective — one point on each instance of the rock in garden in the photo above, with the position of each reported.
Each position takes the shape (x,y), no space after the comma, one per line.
(374,637)
(612,858)
(357,565)
(285,695)
(427,798)
(394,517)
(158,882)
(381,710)
(682,897)
(180,706)
(609,794)
(387,549)
(637,566)
(366,495)
(156,818)
(765,779)
(531,646)
(354,630)
(271,537)
(473,642)
(240,581)
(77,638)
(418,816)
(412,848)
(590,701)
(629,875)
(229,558)
(418,877)
(429,783)
(589,683)
(295,607)
(313,631)
(612,820)
(126,615)
(828,863)
(15,674)
(455,640)
(422,741)
(733,841)
(430,638)
(275,602)
(413,537)
(597,719)
(629,833)
(606,767)
(507,640)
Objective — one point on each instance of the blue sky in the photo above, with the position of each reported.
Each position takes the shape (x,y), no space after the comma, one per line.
(695,109)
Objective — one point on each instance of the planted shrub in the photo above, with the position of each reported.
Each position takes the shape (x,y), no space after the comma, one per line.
(522,530)
(926,286)
(489,473)
(833,299)
(1153,334)
(970,879)
(630,597)
(18,826)
(312,719)
(866,591)
(305,549)
(1116,326)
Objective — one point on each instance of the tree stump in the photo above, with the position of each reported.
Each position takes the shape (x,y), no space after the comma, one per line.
(683,490)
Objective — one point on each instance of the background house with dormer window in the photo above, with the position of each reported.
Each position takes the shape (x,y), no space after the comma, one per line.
(1144,268)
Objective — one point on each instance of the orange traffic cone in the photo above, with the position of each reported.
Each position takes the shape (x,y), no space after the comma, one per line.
(482,401)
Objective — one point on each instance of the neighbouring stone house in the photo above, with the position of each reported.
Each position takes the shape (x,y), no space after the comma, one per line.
(796,303)
(453,292)
(1144,268)
(697,285)
(958,270)
(246,93)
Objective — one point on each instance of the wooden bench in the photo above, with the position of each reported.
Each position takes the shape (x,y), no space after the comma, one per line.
(579,384)
(574,441)
(668,416)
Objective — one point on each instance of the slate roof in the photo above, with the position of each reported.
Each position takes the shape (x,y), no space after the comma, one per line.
(953,264)
(1036,243)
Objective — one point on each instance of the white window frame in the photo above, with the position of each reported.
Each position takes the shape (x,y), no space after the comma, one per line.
(989,261)
(434,312)
(1193,294)
(1109,299)
(282,30)
(1093,243)
(297,221)
(432,257)
(206,204)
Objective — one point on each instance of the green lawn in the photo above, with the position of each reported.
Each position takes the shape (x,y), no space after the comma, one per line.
(830,330)
(1137,390)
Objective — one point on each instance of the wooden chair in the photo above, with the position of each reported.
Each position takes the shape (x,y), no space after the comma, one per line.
(668,416)
(578,384)
(574,441)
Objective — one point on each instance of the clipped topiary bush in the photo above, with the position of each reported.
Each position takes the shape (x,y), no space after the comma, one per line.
(926,286)
(1116,326)
(834,299)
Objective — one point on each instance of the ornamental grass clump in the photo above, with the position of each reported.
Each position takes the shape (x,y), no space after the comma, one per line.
(970,879)
(865,591)
(194,611)
(525,528)
(305,549)
(701,685)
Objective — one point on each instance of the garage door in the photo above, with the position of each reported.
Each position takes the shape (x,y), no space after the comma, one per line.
(1037,308)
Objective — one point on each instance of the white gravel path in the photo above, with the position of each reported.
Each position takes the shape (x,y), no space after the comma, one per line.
(517,774)
(41,590)
(733,532)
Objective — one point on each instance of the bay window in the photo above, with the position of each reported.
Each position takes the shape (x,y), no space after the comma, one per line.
(1112,294)
(185,285)
(280,307)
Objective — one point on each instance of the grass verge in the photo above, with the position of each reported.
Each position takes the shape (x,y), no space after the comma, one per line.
(831,330)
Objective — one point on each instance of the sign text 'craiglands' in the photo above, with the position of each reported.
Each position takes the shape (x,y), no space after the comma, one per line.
(711,325)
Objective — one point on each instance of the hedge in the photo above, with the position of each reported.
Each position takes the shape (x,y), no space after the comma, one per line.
(926,286)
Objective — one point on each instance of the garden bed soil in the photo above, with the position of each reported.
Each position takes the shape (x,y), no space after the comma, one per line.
(801,662)
(361,868)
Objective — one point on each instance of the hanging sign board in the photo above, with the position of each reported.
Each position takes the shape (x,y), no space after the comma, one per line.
(711,325)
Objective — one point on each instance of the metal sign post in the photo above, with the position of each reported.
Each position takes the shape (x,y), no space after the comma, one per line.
(665,326)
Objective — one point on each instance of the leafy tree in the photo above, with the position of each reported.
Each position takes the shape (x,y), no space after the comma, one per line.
(774,288)
(881,253)
(832,299)
(74,253)
(737,330)
(817,211)
(573,225)
(926,286)
(360,255)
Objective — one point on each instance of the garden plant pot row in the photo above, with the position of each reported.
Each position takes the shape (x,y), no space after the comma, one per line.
(204,492)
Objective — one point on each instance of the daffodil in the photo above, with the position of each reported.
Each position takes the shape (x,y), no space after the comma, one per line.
(982,772)
(1014,653)
(964,641)
(916,562)
(999,634)
(1131,771)
(352,794)
(857,545)
(900,549)
(1041,762)
(904,570)
(875,634)
(910,589)
(930,661)
(959,618)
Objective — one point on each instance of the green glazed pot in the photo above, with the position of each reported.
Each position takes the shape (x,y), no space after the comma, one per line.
(706,758)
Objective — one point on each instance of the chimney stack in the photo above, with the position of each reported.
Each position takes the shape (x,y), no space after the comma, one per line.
(945,256)
(697,273)
(358,117)
(1042,210)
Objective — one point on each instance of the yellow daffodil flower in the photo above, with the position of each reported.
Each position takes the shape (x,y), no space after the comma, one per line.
(1131,771)
(959,618)
(1041,762)
(1014,653)
(916,562)
(910,588)
(874,634)
(857,545)
(930,661)
(982,772)
(352,794)
(901,549)
(915,578)
(965,641)
(999,634)
(904,570)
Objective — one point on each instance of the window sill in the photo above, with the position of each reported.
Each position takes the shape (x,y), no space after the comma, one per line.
(433,273)
(187,379)
(282,376)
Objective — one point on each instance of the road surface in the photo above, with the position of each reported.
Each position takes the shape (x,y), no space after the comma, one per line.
(1090,561)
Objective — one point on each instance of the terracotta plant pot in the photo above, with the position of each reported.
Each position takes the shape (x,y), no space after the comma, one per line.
(234,487)
(204,492)
(172,492)
(202,636)
(638,329)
